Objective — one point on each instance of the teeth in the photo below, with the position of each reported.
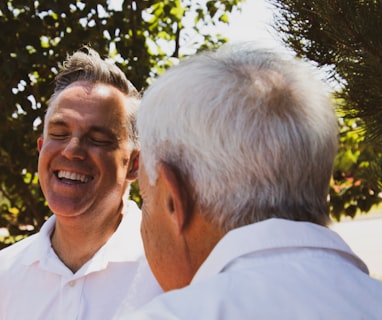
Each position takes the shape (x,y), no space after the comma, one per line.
(73,176)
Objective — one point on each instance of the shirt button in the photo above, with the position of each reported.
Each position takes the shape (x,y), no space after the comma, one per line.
(71,283)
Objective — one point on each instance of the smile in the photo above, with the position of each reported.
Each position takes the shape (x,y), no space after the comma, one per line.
(73,177)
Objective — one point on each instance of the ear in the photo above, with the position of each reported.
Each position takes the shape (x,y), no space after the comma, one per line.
(40,142)
(175,195)
(132,170)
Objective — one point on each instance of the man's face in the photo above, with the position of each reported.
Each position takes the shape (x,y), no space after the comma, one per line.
(176,236)
(84,156)
(154,227)
(164,245)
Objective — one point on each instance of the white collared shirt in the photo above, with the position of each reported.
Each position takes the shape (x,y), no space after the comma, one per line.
(35,284)
(275,269)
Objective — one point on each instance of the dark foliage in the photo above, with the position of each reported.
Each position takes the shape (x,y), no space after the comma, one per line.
(144,38)
(344,37)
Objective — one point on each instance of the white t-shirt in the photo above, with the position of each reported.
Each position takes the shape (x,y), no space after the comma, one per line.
(35,284)
(275,269)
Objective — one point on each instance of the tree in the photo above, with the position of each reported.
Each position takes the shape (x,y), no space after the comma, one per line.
(343,36)
(142,36)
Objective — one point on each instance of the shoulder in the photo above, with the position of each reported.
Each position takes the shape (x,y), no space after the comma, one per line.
(247,292)
(197,301)
(15,252)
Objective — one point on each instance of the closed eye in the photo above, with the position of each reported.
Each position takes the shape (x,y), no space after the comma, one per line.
(102,137)
(57,136)
(101,142)
(57,130)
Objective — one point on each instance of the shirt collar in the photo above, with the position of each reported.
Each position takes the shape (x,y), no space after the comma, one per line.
(41,244)
(124,245)
(273,234)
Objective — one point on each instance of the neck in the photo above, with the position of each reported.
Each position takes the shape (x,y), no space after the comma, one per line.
(196,241)
(75,243)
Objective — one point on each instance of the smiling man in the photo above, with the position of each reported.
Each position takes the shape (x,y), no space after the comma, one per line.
(78,265)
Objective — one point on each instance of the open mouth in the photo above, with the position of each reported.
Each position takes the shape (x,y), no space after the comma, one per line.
(72,177)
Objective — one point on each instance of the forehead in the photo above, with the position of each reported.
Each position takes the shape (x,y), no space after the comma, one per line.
(83,101)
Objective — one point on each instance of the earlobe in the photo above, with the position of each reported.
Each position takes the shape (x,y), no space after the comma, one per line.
(174,195)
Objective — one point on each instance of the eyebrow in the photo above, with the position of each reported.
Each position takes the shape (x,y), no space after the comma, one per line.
(57,122)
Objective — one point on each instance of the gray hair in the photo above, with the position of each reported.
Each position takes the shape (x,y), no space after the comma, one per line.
(252,132)
(87,65)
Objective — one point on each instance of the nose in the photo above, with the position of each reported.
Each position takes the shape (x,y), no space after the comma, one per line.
(74,149)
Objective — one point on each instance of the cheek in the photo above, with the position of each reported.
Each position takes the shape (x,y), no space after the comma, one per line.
(150,242)
(156,245)
(47,151)
(147,232)
(43,159)
(144,227)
